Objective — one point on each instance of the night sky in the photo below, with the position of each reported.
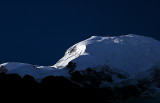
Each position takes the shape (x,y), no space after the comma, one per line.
(39,32)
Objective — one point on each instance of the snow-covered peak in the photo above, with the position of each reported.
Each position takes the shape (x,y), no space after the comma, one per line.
(131,53)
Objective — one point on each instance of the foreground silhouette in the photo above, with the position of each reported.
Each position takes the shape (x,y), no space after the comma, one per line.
(59,87)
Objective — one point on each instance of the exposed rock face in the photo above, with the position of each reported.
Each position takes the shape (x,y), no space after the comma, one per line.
(3,69)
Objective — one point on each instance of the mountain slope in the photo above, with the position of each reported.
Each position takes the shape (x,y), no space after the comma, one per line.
(126,68)
(130,53)
(38,72)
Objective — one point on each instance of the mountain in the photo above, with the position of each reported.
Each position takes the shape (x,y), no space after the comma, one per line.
(130,53)
(126,68)
(127,54)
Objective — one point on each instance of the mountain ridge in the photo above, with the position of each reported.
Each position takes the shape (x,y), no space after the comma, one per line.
(116,52)
(130,53)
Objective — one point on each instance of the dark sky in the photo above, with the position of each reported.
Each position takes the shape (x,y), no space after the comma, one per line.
(39,32)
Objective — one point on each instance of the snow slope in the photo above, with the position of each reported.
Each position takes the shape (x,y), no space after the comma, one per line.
(38,72)
(130,53)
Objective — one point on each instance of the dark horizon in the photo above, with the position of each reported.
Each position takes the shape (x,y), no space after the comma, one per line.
(40,31)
